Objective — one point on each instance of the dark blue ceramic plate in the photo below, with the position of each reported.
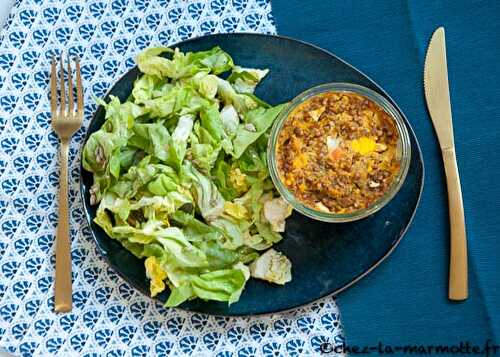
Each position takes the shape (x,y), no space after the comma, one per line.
(327,258)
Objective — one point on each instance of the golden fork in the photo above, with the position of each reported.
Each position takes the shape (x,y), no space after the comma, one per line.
(65,122)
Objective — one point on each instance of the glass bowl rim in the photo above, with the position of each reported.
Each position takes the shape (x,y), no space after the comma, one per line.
(379,203)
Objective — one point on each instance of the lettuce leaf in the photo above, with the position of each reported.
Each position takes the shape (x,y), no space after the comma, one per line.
(153,138)
(194,229)
(180,250)
(221,178)
(180,139)
(230,120)
(273,267)
(209,201)
(233,231)
(179,294)
(149,87)
(240,101)
(257,122)
(204,83)
(183,64)
(204,156)
(221,285)
(162,185)
(181,179)
(204,149)
(245,80)
(101,145)
(211,121)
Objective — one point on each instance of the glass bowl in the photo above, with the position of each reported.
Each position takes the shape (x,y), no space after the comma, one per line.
(403,152)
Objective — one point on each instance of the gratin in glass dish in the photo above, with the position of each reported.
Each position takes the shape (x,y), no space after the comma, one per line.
(403,152)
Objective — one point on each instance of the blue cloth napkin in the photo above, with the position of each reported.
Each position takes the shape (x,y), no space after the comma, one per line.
(404,301)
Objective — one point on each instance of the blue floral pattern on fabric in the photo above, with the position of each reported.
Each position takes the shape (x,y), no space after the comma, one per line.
(109,317)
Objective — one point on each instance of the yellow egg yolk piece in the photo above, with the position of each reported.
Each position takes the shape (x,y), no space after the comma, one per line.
(363,145)
(156,275)
(238,180)
(235,210)
(300,161)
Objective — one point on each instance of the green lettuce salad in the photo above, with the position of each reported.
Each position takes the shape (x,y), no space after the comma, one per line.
(181,178)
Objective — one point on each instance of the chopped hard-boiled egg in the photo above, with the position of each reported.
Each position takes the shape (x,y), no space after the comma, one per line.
(335,152)
(363,145)
(235,210)
(156,275)
(320,206)
(238,180)
(300,161)
(316,113)
(276,211)
(332,143)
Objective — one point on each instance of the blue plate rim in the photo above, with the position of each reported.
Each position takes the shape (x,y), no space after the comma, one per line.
(334,293)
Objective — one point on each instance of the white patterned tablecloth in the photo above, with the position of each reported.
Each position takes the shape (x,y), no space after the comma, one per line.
(5,7)
(109,318)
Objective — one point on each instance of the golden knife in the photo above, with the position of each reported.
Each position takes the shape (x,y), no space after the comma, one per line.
(437,95)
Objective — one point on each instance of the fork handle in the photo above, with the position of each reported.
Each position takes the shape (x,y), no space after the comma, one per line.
(63,290)
(458,289)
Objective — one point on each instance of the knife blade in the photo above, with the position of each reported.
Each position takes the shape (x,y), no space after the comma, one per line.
(437,96)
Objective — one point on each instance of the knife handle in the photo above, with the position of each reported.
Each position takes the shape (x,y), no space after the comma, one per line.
(458,289)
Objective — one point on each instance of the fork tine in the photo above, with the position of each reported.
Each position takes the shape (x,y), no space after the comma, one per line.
(70,88)
(53,87)
(79,88)
(62,109)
